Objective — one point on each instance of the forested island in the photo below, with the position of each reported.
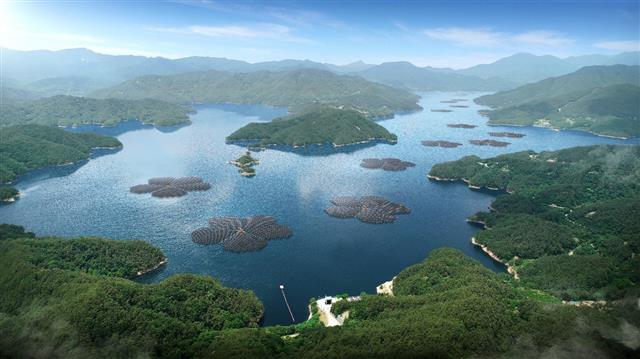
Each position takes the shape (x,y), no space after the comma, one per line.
(295,89)
(569,225)
(325,125)
(27,147)
(70,110)
(599,99)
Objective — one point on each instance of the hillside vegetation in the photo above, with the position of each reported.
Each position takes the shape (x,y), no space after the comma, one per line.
(570,224)
(319,126)
(63,306)
(295,89)
(600,99)
(27,147)
(69,110)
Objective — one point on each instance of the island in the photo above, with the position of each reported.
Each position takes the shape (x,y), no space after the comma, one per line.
(386,164)
(506,134)
(492,143)
(558,226)
(245,164)
(461,125)
(459,106)
(369,209)
(598,99)
(8,194)
(165,187)
(326,125)
(241,234)
(440,143)
(27,147)
(440,110)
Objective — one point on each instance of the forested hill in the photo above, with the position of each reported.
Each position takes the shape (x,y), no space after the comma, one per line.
(28,147)
(295,89)
(70,110)
(71,299)
(319,126)
(599,99)
(570,226)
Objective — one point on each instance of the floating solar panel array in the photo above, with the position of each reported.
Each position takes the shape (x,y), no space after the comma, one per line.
(387,164)
(171,187)
(369,209)
(241,234)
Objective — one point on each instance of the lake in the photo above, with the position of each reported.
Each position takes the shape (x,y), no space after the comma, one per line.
(325,255)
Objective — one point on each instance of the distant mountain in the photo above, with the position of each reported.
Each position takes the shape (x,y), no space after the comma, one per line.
(295,89)
(68,85)
(70,110)
(409,76)
(320,126)
(525,68)
(600,99)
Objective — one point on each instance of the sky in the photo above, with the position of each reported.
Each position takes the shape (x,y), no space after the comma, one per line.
(454,33)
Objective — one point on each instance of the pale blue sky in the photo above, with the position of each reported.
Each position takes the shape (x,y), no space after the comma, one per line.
(437,33)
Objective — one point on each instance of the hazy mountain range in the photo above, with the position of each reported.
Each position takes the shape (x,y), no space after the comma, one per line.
(80,71)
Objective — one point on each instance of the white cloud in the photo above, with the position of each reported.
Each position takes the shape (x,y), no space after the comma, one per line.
(486,37)
(270,31)
(483,37)
(627,45)
(545,38)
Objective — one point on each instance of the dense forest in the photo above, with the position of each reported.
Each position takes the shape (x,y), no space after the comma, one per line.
(318,126)
(599,99)
(69,110)
(26,147)
(448,306)
(70,300)
(570,224)
(295,89)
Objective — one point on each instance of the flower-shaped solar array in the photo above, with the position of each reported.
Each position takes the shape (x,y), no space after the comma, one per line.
(387,164)
(241,234)
(170,186)
(370,209)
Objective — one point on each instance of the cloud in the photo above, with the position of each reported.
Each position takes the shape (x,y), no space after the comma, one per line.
(626,45)
(256,31)
(483,37)
(486,37)
(545,38)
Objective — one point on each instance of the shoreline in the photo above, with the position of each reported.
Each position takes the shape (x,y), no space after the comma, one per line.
(510,269)
(469,184)
(560,129)
(154,268)
(334,145)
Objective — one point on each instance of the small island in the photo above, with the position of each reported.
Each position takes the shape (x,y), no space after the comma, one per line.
(8,194)
(492,143)
(245,164)
(459,106)
(440,110)
(461,125)
(317,126)
(506,134)
(386,164)
(441,143)
(241,234)
(368,209)
(164,187)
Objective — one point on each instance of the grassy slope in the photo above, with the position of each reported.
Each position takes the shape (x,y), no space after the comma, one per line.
(597,191)
(295,89)
(28,147)
(325,125)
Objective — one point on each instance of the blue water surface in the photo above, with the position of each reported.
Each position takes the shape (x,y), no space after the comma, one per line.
(325,255)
